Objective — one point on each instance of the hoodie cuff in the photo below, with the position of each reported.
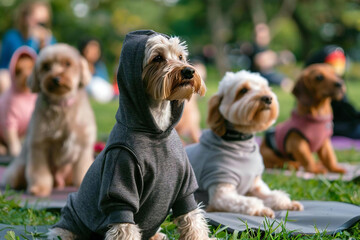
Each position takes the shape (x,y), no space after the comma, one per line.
(184,205)
(121,216)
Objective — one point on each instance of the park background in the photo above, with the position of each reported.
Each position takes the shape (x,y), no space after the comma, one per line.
(215,31)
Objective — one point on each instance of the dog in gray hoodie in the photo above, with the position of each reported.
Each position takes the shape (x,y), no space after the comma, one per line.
(227,161)
(143,172)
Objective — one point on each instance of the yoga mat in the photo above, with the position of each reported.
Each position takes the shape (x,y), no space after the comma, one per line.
(57,199)
(352,172)
(317,217)
(338,142)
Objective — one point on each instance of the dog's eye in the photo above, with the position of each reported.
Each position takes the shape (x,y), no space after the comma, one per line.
(67,63)
(17,72)
(241,93)
(243,90)
(319,77)
(158,58)
(180,57)
(46,66)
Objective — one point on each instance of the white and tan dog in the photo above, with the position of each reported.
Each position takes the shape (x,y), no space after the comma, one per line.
(58,148)
(227,161)
(143,172)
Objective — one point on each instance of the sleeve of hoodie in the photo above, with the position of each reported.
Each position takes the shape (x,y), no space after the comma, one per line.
(185,201)
(120,187)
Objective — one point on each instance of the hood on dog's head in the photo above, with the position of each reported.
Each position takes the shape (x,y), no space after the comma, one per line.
(134,111)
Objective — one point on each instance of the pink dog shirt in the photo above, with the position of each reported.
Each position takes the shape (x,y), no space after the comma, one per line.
(314,129)
(16,107)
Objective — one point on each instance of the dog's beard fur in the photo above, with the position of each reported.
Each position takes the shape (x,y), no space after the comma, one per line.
(163,79)
(250,114)
(61,88)
(247,110)
(167,76)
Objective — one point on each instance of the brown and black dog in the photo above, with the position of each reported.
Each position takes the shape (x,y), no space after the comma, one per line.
(310,127)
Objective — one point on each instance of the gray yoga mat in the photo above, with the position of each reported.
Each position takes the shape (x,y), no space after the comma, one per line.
(317,217)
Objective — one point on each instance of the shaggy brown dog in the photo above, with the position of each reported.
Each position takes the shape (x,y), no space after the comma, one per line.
(59,144)
(310,127)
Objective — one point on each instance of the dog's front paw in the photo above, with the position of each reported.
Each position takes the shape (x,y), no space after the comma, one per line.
(337,169)
(257,208)
(296,206)
(40,190)
(159,236)
(279,200)
(264,212)
(123,231)
(316,169)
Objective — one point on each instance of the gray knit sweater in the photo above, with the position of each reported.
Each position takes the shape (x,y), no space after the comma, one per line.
(216,160)
(144,171)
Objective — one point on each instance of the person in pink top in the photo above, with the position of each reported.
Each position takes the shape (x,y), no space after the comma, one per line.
(17,103)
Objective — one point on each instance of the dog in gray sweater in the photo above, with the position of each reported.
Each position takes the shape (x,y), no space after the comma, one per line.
(227,162)
(143,172)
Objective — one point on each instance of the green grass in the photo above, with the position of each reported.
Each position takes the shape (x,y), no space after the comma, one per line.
(12,212)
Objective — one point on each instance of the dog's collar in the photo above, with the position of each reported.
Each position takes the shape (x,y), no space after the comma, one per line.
(232,135)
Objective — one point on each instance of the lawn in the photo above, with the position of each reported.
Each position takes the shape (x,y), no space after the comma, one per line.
(316,189)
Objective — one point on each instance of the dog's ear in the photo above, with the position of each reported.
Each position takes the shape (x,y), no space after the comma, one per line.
(302,93)
(215,120)
(33,81)
(85,74)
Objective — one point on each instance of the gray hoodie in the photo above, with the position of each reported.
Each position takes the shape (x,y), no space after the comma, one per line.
(143,172)
(216,160)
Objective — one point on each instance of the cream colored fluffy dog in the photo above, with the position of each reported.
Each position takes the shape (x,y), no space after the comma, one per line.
(227,161)
(144,172)
(58,148)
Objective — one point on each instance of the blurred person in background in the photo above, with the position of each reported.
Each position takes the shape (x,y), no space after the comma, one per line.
(264,60)
(346,117)
(32,28)
(99,88)
(17,102)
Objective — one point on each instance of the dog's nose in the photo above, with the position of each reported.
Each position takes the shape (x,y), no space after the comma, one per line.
(187,72)
(56,80)
(266,99)
(338,84)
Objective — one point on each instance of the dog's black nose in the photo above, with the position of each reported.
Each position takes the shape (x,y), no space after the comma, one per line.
(338,84)
(56,80)
(187,72)
(266,99)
